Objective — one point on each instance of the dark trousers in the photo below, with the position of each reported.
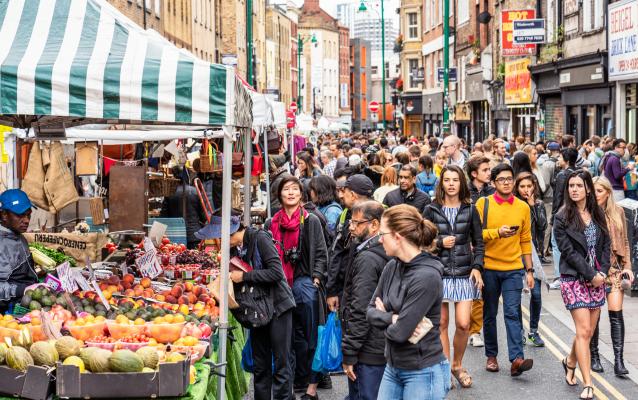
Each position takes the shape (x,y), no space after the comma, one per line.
(273,342)
(366,386)
(535,306)
(305,325)
(510,285)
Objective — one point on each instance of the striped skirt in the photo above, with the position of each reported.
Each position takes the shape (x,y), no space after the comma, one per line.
(459,289)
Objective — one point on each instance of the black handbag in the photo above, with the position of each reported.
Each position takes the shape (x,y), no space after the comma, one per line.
(274,141)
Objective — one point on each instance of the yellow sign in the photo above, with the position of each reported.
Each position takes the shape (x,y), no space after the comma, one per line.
(518,82)
(462,112)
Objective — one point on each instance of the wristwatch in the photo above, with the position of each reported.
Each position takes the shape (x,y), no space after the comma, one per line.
(529,271)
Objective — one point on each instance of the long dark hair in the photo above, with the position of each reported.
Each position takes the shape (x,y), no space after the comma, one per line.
(526,176)
(464,190)
(521,163)
(325,189)
(310,163)
(570,209)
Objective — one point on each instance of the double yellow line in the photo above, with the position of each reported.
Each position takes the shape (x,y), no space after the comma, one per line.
(560,355)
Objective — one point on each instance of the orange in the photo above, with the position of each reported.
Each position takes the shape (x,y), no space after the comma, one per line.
(139,321)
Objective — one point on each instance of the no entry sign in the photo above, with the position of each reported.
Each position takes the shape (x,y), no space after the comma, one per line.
(293,107)
(373,106)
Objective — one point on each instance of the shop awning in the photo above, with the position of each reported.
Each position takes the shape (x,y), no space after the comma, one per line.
(84,59)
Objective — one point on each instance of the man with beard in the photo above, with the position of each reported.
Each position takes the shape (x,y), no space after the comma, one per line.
(362,344)
(407,193)
(17,270)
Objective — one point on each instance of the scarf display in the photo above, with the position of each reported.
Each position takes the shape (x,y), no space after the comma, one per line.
(285,231)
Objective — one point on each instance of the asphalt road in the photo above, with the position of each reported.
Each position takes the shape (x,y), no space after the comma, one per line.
(545,381)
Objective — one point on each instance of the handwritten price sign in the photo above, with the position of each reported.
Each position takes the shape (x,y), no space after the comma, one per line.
(148,263)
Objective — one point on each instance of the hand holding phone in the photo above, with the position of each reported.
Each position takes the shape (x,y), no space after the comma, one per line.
(514,228)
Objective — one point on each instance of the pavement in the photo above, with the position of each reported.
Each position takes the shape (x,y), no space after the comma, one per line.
(546,380)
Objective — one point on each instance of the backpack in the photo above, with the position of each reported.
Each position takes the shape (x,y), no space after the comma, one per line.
(256,308)
(327,235)
(426,182)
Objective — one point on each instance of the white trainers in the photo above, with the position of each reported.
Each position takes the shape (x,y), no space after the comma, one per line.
(476,340)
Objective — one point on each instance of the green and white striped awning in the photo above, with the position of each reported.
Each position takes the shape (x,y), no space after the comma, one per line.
(83,58)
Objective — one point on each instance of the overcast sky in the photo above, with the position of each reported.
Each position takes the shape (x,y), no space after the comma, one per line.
(331,6)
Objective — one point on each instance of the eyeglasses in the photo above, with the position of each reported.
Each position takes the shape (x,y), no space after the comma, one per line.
(502,180)
(383,233)
(354,223)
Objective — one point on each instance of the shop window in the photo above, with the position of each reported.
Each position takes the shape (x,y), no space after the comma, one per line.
(413,66)
(631,97)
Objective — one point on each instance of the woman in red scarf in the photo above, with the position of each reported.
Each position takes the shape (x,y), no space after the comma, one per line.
(300,242)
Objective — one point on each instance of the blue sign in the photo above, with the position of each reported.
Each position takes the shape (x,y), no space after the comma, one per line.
(529,31)
(451,74)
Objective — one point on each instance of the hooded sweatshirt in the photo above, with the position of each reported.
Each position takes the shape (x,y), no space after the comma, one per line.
(411,290)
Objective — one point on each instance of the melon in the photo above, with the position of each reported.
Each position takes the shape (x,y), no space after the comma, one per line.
(67,346)
(125,361)
(44,354)
(175,357)
(150,370)
(97,360)
(19,358)
(77,361)
(3,352)
(149,357)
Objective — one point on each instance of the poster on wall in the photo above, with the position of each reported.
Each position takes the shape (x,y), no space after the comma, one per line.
(518,82)
(508,48)
(623,40)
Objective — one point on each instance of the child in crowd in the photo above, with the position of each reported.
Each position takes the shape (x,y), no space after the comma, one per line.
(441,161)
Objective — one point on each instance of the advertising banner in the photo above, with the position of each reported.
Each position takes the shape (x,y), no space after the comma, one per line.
(623,40)
(518,82)
(508,48)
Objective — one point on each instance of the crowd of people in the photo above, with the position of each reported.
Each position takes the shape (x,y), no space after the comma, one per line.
(392,232)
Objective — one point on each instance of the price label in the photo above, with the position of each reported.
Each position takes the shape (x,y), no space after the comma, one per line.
(81,280)
(148,263)
(53,283)
(67,277)
(124,268)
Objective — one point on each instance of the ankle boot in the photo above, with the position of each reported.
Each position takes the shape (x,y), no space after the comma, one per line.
(596,366)
(617,323)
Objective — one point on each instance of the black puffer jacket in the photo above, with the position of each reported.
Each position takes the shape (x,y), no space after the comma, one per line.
(467,253)
(260,249)
(361,342)
(417,199)
(485,191)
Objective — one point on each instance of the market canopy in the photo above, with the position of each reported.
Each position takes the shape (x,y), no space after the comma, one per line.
(84,59)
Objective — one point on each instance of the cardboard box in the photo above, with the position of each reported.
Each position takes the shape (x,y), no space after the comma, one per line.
(170,381)
(35,384)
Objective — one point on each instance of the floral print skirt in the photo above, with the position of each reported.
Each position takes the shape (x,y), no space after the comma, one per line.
(577,294)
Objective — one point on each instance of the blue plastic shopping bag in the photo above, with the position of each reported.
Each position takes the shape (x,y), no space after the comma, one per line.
(317,364)
(247,363)
(330,350)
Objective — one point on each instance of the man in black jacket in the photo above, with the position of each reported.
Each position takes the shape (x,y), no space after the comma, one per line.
(185,204)
(362,344)
(478,172)
(407,193)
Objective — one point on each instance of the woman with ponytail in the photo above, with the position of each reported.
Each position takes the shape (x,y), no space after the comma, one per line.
(407,306)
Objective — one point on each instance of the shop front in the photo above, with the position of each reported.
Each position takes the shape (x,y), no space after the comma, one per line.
(462,121)
(475,94)
(623,67)
(551,110)
(412,110)
(519,88)
(433,113)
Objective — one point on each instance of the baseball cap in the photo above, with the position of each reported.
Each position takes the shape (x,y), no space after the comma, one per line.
(213,230)
(360,184)
(553,146)
(15,201)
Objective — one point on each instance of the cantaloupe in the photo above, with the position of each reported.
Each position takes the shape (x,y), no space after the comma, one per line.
(125,361)
(44,354)
(19,358)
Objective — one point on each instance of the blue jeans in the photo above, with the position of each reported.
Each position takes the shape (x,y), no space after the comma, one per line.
(366,386)
(431,383)
(510,285)
(555,257)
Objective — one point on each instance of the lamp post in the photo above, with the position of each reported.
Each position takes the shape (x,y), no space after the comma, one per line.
(300,42)
(363,8)
(446,66)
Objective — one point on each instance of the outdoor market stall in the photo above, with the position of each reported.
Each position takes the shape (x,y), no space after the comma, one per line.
(66,63)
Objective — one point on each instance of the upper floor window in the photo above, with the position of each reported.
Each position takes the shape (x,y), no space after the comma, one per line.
(413,26)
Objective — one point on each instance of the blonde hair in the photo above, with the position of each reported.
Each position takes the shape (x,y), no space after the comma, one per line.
(389,176)
(528,150)
(408,222)
(611,209)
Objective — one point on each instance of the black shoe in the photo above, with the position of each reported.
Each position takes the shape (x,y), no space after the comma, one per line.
(617,323)
(596,366)
(325,382)
(307,396)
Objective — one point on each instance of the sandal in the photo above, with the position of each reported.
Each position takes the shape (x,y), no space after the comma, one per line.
(590,393)
(463,377)
(567,368)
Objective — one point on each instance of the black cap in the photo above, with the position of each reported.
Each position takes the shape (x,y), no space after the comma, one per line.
(360,184)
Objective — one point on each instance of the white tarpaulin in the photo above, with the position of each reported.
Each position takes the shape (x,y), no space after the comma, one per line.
(279,114)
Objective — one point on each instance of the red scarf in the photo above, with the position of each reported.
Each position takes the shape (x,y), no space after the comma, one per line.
(285,230)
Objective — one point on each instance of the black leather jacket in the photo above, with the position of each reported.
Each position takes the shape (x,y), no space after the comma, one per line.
(539,224)
(469,249)
(572,243)
(417,199)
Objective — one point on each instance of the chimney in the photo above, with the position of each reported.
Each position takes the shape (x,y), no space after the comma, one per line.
(311,5)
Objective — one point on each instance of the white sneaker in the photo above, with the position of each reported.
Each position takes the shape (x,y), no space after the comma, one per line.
(476,340)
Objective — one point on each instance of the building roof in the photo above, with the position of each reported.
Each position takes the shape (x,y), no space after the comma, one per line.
(312,15)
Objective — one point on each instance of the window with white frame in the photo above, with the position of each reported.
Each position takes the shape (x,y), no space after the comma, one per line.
(413,66)
(428,18)
(463,11)
(593,15)
(440,17)
(413,26)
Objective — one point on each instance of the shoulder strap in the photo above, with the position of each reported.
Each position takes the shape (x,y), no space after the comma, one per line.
(486,207)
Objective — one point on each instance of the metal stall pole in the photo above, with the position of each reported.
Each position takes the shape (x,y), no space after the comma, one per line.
(223,290)
(248,160)
(267,165)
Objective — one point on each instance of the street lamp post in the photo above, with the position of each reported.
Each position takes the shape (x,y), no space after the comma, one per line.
(363,8)
(300,42)
(446,66)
